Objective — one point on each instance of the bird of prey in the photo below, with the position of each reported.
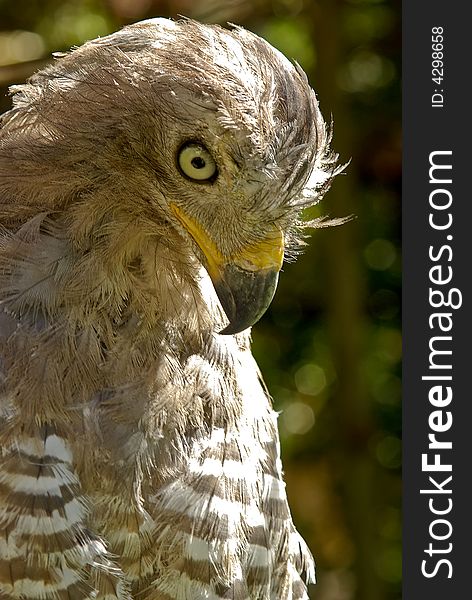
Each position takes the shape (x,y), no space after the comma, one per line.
(151,183)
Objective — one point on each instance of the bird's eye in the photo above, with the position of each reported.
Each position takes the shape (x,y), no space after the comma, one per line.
(196,162)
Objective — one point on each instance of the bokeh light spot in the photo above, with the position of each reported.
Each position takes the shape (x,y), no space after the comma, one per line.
(20,46)
(380,254)
(310,379)
(388,452)
(366,71)
(298,418)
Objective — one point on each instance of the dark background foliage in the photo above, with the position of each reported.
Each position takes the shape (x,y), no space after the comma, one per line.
(330,346)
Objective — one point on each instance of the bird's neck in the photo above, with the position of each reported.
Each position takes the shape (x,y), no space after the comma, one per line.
(122,298)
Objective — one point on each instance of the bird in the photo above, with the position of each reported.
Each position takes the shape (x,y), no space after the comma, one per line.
(152,182)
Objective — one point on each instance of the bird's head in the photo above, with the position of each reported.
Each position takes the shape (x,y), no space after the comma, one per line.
(209,131)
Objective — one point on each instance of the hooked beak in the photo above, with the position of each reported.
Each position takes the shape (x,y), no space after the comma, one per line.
(245,282)
(245,295)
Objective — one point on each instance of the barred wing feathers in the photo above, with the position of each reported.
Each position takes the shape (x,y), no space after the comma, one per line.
(224,528)
(46,549)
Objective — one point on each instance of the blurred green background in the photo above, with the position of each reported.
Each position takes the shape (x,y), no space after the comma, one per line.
(330,346)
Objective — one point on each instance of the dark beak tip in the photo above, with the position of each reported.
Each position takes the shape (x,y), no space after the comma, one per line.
(245,296)
(230,330)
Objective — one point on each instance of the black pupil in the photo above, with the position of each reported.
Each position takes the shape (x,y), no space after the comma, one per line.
(198,162)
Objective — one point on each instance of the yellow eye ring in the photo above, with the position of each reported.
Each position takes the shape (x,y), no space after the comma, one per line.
(196,163)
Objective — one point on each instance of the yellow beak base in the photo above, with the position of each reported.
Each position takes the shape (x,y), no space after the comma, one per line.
(244,282)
